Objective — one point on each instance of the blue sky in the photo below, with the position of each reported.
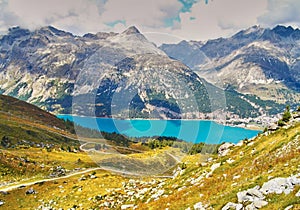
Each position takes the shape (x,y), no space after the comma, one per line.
(159,20)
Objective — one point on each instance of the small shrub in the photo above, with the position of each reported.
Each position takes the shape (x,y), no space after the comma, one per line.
(280,123)
(286,115)
(183,166)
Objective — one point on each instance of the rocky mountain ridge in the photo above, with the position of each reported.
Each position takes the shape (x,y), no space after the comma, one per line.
(108,75)
(259,61)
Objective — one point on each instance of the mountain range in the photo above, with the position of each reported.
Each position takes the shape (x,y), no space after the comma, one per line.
(260,61)
(125,75)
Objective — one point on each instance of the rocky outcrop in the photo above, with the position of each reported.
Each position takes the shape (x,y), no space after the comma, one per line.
(254,198)
(280,185)
(224,149)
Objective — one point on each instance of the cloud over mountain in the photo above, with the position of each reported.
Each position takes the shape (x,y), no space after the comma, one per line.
(189,19)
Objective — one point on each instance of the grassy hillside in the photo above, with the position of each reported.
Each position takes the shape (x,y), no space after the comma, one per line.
(17,108)
(30,139)
(22,124)
(251,164)
(78,183)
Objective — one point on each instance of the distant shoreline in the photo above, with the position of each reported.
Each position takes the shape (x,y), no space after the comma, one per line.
(251,127)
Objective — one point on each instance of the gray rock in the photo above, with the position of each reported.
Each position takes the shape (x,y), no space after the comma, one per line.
(230,205)
(289,207)
(199,206)
(250,195)
(93,176)
(4,193)
(30,191)
(254,192)
(2,203)
(127,206)
(260,203)
(224,149)
(242,197)
(298,194)
(280,185)
(250,207)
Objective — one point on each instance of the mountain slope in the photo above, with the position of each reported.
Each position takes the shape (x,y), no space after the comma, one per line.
(47,67)
(242,175)
(33,141)
(23,124)
(105,74)
(268,157)
(259,61)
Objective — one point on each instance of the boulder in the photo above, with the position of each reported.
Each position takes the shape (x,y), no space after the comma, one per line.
(4,193)
(273,127)
(30,191)
(260,203)
(256,193)
(280,185)
(215,166)
(233,206)
(251,195)
(93,177)
(242,197)
(250,207)
(199,206)
(1,203)
(225,148)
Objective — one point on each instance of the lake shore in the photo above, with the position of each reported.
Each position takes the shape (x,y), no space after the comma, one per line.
(196,131)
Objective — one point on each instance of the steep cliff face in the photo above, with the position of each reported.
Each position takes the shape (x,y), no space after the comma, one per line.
(261,61)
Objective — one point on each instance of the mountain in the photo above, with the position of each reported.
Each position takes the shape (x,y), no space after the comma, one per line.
(25,124)
(48,67)
(260,61)
(108,75)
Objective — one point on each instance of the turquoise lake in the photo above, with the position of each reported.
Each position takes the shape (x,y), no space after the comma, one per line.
(194,131)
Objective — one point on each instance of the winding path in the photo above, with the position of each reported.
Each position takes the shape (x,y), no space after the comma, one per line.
(15,186)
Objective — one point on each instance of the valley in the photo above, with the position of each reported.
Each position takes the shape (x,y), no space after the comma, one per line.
(65,174)
(116,87)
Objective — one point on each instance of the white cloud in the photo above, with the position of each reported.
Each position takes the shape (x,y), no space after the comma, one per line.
(285,12)
(80,15)
(141,13)
(216,19)
(220,18)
